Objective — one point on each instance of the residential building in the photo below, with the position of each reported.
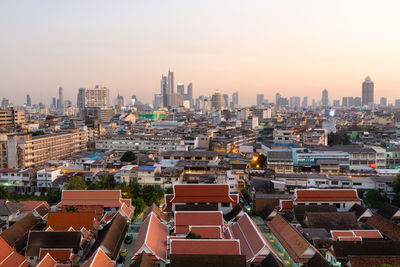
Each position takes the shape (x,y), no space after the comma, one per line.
(11,117)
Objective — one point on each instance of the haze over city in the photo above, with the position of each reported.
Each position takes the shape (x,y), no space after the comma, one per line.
(291,47)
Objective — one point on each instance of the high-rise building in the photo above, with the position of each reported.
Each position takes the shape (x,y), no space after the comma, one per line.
(164,90)
(383,102)
(345,101)
(180,88)
(170,82)
(278,99)
(189,95)
(61,100)
(260,100)
(4,103)
(53,103)
(304,104)
(226,100)
(397,103)
(294,102)
(368,92)
(325,98)
(336,103)
(28,100)
(217,101)
(355,102)
(175,100)
(97,97)
(235,99)
(120,101)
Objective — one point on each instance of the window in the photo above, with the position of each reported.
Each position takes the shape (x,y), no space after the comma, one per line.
(157,179)
(337,205)
(227,204)
(357,183)
(313,204)
(335,182)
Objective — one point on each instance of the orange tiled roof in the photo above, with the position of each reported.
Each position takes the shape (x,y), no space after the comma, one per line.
(62,221)
(326,195)
(31,205)
(350,238)
(293,242)
(127,211)
(99,259)
(205,246)
(154,208)
(359,234)
(252,242)
(207,231)
(107,198)
(62,254)
(47,261)
(8,257)
(184,219)
(285,205)
(152,237)
(201,193)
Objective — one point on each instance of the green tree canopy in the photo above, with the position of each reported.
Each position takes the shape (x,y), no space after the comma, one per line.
(75,183)
(192,235)
(339,138)
(71,208)
(396,184)
(128,156)
(4,194)
(139,205)
(53,196)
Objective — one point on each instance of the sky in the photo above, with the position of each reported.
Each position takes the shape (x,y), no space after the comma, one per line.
(293,47)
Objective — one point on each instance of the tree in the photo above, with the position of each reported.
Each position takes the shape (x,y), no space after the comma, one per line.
(192,235)
(169,190)
(71,208)
(375,198)
(139,205)
(53,196)
(152,193)
(4,194)
(339,138)
(75,183)
(128,156)
(396,184)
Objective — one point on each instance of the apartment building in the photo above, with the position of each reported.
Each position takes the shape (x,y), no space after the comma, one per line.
(141,142)
(12,117)
(27,151)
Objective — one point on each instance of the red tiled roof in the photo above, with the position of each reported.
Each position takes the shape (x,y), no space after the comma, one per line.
(62,221)
(359,234)
(99,259)
(8,257)
(384,225)
(326,195)
(154,208)
(207,231)
(152,237)
(31,205)
(167,202)
(127,211)
(201,193)
(205,247)
(47,261)
(62,254)
(285,205)
(252,242)
(183,219)
(350,238)
(107,198)
(293,242)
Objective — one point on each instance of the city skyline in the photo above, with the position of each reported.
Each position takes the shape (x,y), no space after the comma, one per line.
(263,48)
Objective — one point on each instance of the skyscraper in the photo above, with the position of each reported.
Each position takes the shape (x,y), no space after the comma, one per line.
(164,90)
(180,87)
(28,100)
(260,100)
(226,100)
(383,102)
(325,99)
(97,97)
(170,82)
(304,104)
(54,103)
(368,92)
(190,94)
(277,99)
(61,100)
(217,100)
(235,99)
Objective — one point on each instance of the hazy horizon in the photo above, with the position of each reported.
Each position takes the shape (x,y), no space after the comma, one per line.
(296,48)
